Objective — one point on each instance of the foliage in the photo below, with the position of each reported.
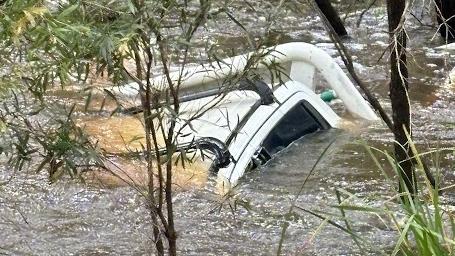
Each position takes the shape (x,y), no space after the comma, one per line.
(50,140)
(428,226)
(423,225)
(51,44)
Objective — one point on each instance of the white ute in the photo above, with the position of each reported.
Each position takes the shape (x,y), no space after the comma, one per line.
(245,127)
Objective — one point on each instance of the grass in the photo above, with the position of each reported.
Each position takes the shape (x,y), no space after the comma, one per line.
(423,224)
(428,228)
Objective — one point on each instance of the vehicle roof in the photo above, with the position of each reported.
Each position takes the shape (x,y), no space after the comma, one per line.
(214,116)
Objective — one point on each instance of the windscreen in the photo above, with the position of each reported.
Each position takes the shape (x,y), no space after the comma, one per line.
(302,119)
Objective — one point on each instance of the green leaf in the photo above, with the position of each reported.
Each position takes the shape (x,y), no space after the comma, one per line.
(57,174)
(136,138)
(87,101)
(131,7)
(30,18)
(231,17)
(68,11)
(43,163)
(110,94)
(358,208)
(403,235)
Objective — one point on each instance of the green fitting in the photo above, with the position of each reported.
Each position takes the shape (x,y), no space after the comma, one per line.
(328,95)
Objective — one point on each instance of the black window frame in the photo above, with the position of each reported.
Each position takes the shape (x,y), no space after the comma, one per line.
(267,149)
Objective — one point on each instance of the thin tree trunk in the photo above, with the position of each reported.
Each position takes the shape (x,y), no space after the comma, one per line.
(445,13)
(151,187)
(171,233)
(398,93)
(347,59)
(332,16)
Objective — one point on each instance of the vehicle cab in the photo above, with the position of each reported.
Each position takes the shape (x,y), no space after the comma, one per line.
(244,127)
(251,132)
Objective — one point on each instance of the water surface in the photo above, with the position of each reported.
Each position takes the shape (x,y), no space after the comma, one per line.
(70,218)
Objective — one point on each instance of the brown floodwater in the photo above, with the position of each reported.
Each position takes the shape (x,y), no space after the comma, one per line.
(71,218)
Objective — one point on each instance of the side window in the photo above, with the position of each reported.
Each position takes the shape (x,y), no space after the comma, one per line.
(302,119)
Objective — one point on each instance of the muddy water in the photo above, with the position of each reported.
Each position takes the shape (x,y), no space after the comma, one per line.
(74,219)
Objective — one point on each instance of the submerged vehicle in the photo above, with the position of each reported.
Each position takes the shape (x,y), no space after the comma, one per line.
(245,126)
